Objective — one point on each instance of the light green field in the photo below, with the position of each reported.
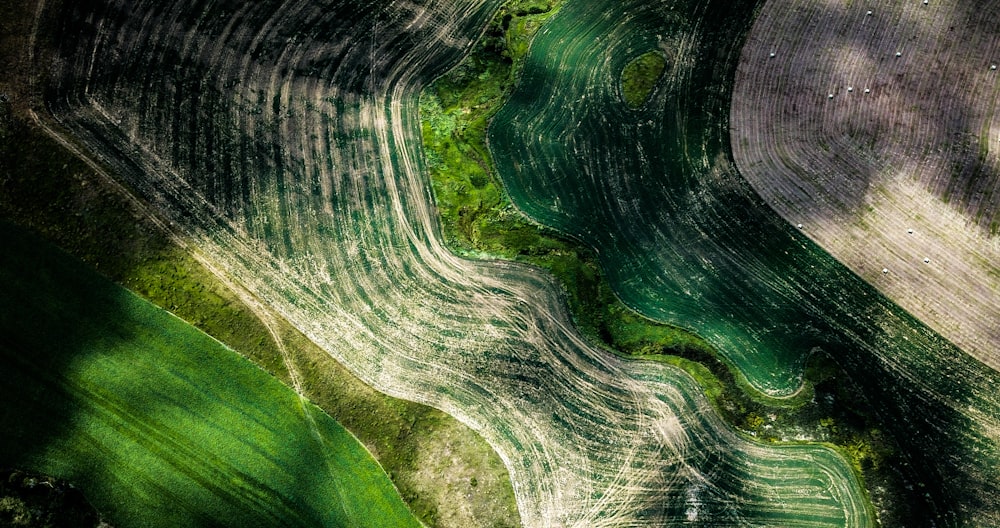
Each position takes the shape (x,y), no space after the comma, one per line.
(156,422)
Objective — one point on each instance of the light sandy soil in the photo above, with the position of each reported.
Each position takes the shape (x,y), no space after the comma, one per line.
(874,126)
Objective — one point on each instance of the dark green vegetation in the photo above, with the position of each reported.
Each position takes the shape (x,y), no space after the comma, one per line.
(477,216)
(122,398)
(478,219)
(685,240)
(38,501)
(640,76)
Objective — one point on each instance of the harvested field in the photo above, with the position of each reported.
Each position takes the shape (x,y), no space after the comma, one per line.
(900,168)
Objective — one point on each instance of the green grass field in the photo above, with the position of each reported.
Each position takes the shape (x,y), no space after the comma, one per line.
(158,423)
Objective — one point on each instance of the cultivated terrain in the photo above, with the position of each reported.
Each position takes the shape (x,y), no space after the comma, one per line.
(874,126)
(307,161)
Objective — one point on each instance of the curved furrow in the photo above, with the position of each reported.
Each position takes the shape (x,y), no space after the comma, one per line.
(323,211)
(899,169)
(686,240)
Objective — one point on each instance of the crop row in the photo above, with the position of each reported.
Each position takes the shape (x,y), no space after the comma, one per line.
(291,162)
(686,240)
(874,128)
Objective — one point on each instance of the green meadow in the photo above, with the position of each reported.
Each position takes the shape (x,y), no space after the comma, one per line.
(159,424)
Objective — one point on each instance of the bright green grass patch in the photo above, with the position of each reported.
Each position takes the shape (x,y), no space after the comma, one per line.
(455,112)
(158,423)
(640,75)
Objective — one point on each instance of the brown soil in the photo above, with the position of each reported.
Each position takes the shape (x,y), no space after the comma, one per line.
(879,134)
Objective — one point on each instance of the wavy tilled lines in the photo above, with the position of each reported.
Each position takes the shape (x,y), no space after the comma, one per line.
(687,241)
(890,162)
(886,160)
(284,145)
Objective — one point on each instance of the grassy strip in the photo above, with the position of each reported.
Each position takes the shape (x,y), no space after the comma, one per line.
(54,194)
(160,424)
(640,76)
(479,220)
